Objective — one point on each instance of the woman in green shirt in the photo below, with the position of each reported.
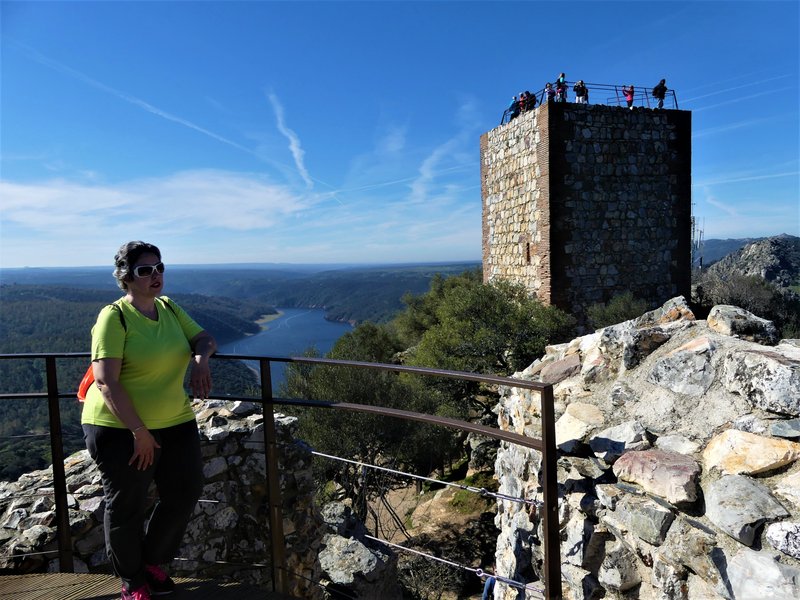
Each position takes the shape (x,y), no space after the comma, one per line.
(138,423)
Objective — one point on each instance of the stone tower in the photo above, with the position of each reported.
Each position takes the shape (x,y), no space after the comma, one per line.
(584,202)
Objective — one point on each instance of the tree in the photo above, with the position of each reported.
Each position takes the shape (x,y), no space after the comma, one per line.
(362,437)
(460,324)
(463,324)
(494,328)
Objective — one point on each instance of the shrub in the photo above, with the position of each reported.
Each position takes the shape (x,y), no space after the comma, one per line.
(755,295)
(620,308)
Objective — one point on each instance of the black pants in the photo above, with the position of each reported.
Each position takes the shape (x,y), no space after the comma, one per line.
(177,470)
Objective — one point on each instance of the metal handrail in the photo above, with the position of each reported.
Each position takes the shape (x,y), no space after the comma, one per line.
(546,445)
(642,93)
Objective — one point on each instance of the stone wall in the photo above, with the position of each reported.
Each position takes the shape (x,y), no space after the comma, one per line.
(584,202)
(230,526)
(678,461)
(515,191)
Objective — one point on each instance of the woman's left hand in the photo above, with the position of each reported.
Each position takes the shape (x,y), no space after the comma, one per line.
(200,379)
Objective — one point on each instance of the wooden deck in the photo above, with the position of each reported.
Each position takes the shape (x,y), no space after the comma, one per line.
(74,586)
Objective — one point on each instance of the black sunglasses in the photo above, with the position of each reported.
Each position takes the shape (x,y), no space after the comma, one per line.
(147,270)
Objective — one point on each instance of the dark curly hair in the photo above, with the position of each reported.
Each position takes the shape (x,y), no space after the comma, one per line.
(126,258)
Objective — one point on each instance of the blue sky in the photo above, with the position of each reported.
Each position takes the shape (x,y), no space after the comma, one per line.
(325,132)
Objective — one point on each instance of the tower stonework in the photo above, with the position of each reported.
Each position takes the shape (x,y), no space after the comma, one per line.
(584,202)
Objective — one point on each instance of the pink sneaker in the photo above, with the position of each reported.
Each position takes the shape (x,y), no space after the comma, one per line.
(158,581)
(141,593)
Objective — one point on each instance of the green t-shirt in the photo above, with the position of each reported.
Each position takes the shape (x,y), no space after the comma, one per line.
(155,355)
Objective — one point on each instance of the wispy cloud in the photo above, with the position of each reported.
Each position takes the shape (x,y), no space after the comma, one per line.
(393,140)
(294,141)
(195,214)
(451,155)
(419,176)
(181,203)
(724,218)
(397,182)
(724,207)
(429,171)
(720,220)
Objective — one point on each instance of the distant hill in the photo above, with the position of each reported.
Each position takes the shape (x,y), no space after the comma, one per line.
(715,249)
(775,259)
(347,293)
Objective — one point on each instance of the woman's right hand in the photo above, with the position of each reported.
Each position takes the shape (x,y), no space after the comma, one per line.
(144,449)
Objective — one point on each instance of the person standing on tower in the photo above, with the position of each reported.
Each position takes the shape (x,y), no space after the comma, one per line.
(580,92)
(659,92)
(549,92)
(513,108)
(629,95)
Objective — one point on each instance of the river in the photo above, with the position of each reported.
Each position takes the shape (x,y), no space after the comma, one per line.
(291,334)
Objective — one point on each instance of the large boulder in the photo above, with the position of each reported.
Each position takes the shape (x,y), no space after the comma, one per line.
(735,321)
(760,576)
(686,370)
(768,377)
(735,451)
(670,475)
(357,570)
(738,505)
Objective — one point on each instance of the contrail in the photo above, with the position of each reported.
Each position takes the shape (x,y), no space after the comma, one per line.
(49,62)
(749,178)
(721,81)
(741,98)
(53,64)
(398,181)
(294,141)
(732,126)
(738,87)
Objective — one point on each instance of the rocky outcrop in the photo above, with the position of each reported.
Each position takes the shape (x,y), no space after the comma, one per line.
(678,461)
(229,528)
(776,259)
(732,320)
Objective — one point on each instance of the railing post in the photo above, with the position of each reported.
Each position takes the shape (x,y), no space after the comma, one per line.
(552,545)
(66,564)
(280,581)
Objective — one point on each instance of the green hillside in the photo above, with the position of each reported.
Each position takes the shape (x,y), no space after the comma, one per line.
(347,293)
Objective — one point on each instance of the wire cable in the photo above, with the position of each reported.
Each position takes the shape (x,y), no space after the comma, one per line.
(224,562)
(480,573)
(476,490)
(337,593)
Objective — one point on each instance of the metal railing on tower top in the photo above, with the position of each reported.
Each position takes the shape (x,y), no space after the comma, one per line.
(280,573)
(606,94)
